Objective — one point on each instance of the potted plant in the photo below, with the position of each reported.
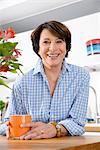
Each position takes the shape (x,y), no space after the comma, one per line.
(9,54)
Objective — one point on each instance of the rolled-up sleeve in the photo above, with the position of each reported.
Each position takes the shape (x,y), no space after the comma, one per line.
(77,115)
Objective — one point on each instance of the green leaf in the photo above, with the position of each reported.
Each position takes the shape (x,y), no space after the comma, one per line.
(6,49)
(2,105)
(3,77)
(15,65)
(13,70)
(2,82)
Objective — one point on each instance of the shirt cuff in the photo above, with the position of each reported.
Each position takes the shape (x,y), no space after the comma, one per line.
(72,127)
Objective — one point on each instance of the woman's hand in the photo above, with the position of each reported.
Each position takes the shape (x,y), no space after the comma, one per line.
(39,130)
(8,135)
(8,130)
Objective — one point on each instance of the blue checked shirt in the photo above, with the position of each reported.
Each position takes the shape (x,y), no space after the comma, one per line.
(67,106)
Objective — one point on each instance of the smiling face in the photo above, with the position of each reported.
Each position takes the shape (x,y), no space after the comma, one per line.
(52,49)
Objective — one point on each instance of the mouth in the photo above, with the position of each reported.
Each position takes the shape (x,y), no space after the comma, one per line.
(53,56)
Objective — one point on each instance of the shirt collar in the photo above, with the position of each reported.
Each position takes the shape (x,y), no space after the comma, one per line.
(65,66)
(39,67)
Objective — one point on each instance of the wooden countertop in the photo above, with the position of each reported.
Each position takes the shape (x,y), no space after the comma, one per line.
(94,127)
(85,142)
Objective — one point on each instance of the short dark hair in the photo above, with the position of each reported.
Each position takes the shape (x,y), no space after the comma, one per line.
(56,28)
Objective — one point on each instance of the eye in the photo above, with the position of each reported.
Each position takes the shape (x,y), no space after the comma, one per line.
(46,42)
(59,41)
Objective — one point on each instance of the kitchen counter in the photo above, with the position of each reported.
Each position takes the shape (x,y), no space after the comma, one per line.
(92,127)
(86,142)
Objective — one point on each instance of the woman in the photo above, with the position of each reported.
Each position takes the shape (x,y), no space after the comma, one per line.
(55,93)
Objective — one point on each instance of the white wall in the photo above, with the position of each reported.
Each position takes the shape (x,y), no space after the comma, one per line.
(82,29)
(28,58)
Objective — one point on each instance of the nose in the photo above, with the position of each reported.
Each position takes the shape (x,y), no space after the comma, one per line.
(52,46)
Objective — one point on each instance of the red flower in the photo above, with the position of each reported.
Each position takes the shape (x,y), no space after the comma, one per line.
(4,68)
(9,33)
(17,52)
(1,34)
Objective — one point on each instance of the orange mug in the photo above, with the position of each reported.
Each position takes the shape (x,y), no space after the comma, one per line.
(15,121)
